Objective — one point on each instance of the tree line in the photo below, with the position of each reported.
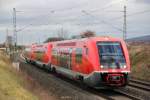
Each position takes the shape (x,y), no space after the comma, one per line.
(63,36)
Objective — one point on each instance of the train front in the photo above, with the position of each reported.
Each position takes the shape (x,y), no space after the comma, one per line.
(114,64)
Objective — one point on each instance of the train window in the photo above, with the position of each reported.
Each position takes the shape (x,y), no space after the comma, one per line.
(78,55)
(39,55)
(111,55)
(54,54)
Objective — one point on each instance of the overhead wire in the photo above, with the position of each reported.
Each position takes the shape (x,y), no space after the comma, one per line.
(132,14)
(137,13)
(106,6)
(104,22)
(70,8)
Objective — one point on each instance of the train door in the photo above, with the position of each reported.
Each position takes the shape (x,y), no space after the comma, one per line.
(49,53)
(70,59)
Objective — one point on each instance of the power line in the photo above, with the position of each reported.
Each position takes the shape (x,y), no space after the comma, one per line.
(23,28)
(102,21)
(106,7)
(59,10)
(124,24)
(130,15)
(69,8)
(137,13)
(32,23)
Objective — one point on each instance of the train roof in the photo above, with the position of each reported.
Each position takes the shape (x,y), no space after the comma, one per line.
(103,38)
(94,39)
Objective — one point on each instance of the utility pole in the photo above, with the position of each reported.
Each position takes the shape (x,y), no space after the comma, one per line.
(62,32)
(125,24)
(6,41)
(39,40)
(14,29)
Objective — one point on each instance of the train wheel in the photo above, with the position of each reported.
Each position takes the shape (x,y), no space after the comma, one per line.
(83,85)
(30,62)
(44,66)
(26,60)
(53,70)
(33,62)
(48,68)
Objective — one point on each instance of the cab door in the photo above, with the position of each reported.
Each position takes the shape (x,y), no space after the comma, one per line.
(70,58)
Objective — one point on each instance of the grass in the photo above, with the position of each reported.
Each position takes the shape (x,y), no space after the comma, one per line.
(140,61)
(11,85)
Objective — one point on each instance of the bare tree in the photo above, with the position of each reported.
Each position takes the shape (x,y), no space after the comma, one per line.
(87,33)
(51,39)
(62,34)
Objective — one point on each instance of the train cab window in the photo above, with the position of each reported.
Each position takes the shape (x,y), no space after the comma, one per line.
(39,54)
(111,55)
(78,58)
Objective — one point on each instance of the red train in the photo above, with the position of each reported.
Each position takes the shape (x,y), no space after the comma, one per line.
(96,61)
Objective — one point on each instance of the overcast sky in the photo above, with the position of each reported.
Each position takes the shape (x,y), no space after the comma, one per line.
(39,19)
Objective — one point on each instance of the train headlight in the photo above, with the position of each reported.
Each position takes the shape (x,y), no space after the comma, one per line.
(124,66)
(102,66)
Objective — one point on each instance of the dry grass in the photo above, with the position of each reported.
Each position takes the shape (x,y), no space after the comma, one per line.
(140,61)
(11,86)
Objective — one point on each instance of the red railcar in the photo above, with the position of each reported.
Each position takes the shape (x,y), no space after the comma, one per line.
(28,53)
(97,61)
(40,54)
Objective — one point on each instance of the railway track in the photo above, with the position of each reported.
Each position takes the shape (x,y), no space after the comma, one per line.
(62,87)
(140,85)
(105,94)
(129,94)
(117,94)
(108,94)
(136,89)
